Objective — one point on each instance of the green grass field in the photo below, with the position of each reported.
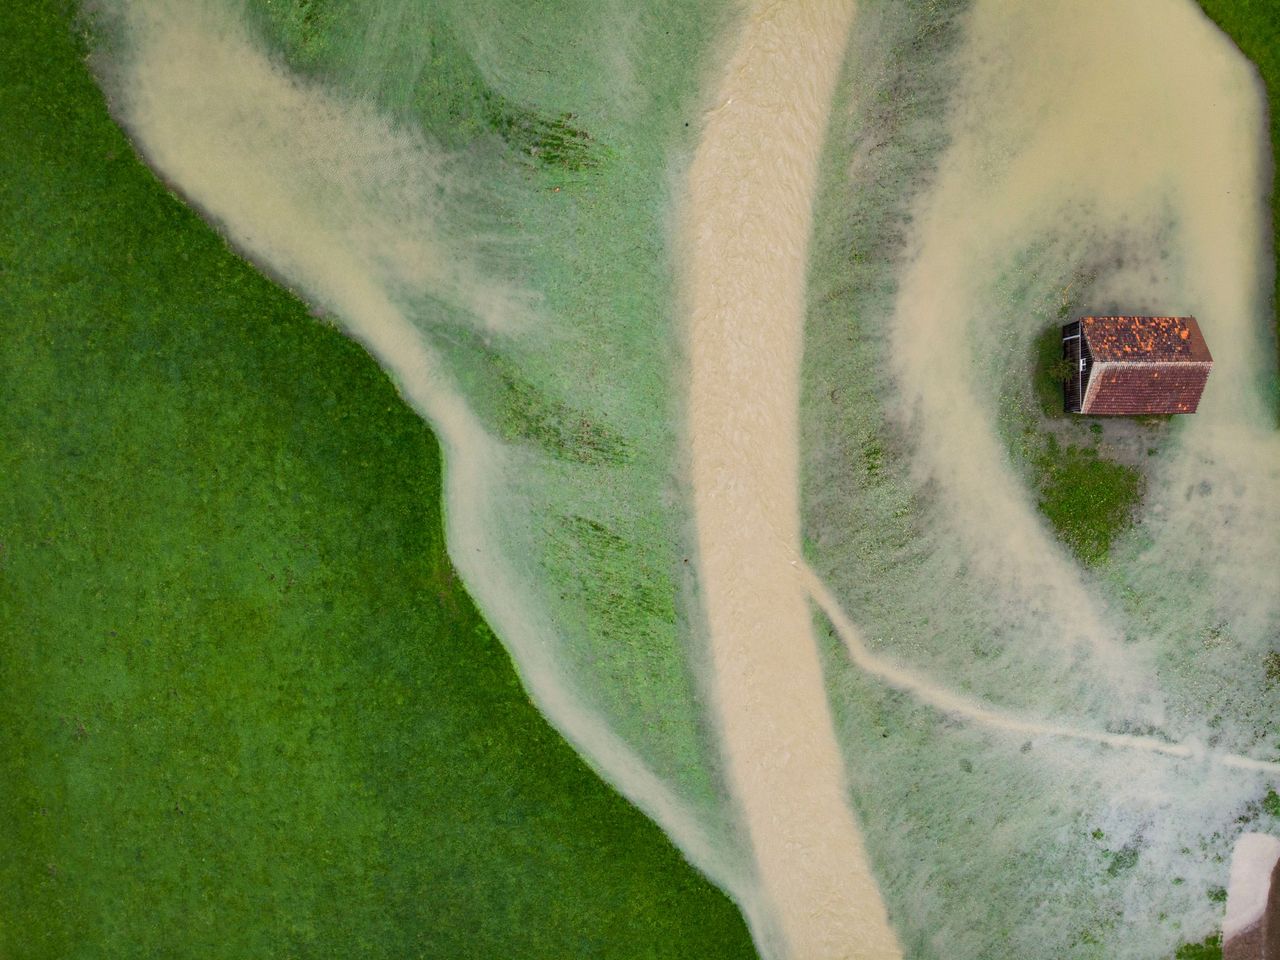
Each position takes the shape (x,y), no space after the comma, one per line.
(246,709)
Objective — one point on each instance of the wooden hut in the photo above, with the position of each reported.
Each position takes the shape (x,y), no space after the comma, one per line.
(1134,365)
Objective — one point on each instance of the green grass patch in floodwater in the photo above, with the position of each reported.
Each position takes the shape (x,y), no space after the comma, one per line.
(246,709)
(1046,370)
(1089,499)
(529,414)
(554,142)
(1210,949)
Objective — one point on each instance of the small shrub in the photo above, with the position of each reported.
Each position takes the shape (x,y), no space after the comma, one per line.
(1061,369)
(872,455)
(1123,859)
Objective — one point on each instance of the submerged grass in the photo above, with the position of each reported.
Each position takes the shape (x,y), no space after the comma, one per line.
(245,707)
(924,786)
(445,93)
(1254,25)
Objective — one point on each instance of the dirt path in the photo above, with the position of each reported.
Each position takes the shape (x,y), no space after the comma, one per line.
(946,700)
(750,201)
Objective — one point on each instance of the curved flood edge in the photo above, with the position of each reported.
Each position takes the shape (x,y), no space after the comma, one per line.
(745,239)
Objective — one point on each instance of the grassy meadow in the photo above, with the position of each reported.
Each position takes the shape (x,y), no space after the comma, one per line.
(246,708)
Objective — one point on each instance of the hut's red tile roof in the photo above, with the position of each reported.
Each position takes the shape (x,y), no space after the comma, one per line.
(1141,388)
(1144,365)
(1144,338)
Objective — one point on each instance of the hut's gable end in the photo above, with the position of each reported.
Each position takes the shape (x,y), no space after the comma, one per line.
(1145,388)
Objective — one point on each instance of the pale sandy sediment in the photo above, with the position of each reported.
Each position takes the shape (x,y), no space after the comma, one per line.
(749,213)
